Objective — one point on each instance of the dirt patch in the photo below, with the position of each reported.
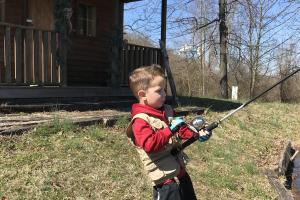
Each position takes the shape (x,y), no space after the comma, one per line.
(11,123)
(21,120)
(270,157)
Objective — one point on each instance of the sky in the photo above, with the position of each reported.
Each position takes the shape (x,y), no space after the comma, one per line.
(145,16)
(150,12)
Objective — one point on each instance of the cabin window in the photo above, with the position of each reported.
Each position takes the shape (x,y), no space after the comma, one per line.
(87,20)
(2,10)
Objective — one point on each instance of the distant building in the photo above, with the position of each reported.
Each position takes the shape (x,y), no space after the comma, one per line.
(189,51)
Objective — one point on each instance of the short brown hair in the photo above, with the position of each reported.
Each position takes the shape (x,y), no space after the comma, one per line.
(140,78)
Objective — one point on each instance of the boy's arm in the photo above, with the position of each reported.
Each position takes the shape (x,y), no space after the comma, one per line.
(185,133)
(146,138)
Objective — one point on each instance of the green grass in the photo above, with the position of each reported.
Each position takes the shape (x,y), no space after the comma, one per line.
(63,161)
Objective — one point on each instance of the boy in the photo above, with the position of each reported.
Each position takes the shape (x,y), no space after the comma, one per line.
(154,139)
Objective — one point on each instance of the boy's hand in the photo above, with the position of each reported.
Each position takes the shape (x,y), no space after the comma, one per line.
(176,123)
(204,135)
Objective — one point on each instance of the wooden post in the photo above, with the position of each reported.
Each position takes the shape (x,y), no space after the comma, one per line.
(8,60)
(125,64)
(140,58)
(164,55)
(63,59)
(151,56)
(169,72)
(136,56)
(54,73)
(117,39)
(19,56)
(164,21)
(46,56)
(37,58)
(29,56)
(131,58)
(155,56)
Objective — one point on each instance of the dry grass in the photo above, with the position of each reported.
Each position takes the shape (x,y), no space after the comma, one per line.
(66,162)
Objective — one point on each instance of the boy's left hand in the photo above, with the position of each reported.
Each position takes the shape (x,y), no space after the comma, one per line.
(176,123)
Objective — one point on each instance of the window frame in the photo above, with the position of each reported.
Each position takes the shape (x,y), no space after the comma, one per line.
(2,10)
(90,23)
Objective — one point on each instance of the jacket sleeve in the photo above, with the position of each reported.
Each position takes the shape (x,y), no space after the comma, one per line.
(146,138)
(185,133)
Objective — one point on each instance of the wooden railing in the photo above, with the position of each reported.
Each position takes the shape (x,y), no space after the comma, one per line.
(135,56)
(28,56)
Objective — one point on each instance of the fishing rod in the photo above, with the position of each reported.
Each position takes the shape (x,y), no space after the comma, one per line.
(198,123)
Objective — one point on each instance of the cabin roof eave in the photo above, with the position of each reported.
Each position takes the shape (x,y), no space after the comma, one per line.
(129,1)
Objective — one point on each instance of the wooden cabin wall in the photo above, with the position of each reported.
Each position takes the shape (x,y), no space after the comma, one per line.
(89,58)
(15,11)
(42,14)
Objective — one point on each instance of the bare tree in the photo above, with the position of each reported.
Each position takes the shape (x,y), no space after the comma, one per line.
(223,49)
(287,61)
(258,34)
(256,29)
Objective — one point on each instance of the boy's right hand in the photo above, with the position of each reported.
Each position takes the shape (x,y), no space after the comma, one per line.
(176,123)
(204,135)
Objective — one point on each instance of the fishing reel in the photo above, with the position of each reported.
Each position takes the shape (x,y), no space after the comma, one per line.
(197,123)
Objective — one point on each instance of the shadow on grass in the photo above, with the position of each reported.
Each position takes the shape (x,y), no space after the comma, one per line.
(218,105)
(116,103)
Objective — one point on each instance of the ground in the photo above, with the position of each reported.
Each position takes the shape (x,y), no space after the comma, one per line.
(63,161)
(23,120)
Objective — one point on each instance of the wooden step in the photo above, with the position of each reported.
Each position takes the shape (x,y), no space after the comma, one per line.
(68,106)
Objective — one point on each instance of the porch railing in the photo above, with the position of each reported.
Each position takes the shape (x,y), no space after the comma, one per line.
(135,56)
(28,56)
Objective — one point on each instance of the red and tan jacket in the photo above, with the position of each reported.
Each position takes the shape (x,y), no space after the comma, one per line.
(153,140)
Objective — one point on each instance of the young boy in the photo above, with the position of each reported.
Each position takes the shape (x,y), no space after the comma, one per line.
(154,139)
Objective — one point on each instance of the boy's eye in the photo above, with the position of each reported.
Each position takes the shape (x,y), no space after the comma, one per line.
(159,91)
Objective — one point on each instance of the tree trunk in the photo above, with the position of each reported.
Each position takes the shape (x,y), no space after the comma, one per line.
(252,81)
(283,89)
(188,81)
(223,49)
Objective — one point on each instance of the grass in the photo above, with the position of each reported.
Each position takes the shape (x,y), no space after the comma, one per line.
(62,161)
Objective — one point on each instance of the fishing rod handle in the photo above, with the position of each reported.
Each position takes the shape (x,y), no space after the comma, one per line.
(212,126)
(195,137)
(191,140)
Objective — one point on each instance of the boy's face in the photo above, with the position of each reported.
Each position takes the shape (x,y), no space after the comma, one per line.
(155,95)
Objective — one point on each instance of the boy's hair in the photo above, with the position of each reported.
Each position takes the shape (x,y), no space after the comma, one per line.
(140,78)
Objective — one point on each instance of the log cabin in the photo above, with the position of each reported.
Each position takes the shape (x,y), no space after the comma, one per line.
(68,48)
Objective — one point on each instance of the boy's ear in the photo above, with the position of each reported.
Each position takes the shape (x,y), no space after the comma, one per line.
(141,94)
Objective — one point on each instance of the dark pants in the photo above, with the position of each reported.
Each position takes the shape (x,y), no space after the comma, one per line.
(174,191)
